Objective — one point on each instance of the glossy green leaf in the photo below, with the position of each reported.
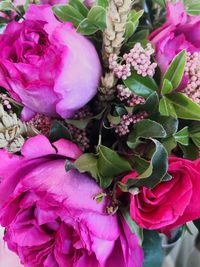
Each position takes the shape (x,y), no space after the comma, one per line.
(79,6)
(58,131)
(140,164)
(170,124)
(190,152)
(166,108)
(169,144)
(175,72)
(68,13)
(151,104)
(87,163)
(132,23)
(167,87)
(145,129)
(184,107)
(182,136)
(141,86)
(155,172)
(110,164)
(86,27)
(195,135)
(97,16)
(153,252)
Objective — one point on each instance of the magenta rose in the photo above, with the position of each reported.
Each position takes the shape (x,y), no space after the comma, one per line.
(46,65)
(50,215)
(56,2)
(181,31)
(170,203)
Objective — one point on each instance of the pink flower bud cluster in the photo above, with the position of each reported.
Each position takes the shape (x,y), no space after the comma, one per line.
(124,94)
(138,58)
(123,128)
(41,123)
(192,70)
(5,102)
(79,135)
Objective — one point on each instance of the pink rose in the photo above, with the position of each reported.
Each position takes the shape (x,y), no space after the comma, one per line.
(52,2)
(7,257)
(47,66)
(181,31)
(50,215)
(170,203)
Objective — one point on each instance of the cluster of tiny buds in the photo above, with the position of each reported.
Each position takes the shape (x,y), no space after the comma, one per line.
(5,102)
(138,58)
(80,135)
(192,70)
(124,94)
(123,128)
(42,123)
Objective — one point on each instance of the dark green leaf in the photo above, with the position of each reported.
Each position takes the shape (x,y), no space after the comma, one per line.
(153,253)
(145,129)
(140,164)
(190,152)
(166,108)
(151,104)
(79,6)
(113,119)
(182,136)
(58,131)
(141,86)
(87,163)
(68,13)
(155,172)
(170,124)
(110,164)
(184,107)
(169,144)
(86,27)
(175,72)
(97,16)
(195,135)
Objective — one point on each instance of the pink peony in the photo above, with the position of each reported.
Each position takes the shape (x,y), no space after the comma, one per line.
(46,65)
(181,31)
(50,215)
(170,203)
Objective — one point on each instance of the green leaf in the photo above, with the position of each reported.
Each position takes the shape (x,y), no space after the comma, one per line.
(194,9)
(153,253)
(140,164)
(103,3)
(170,124)
(167,87)
(6,6)
(182,136)
(184,107)
(141,86)
(87,163)
(197,224)
(135,229)
(175,72)
(190,152)
(132,23)
(58,131)
(86,27)
(169,144)
(166,108)
(145,129)
(113,119)
(195,135)
(156,171)
(110,164)
(151,104)
(79,6)
(68,13)
(97,16)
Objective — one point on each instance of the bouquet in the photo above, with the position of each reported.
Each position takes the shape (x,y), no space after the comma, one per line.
(99,129)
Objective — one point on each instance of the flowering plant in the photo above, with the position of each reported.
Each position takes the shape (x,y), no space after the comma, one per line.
(99,130)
